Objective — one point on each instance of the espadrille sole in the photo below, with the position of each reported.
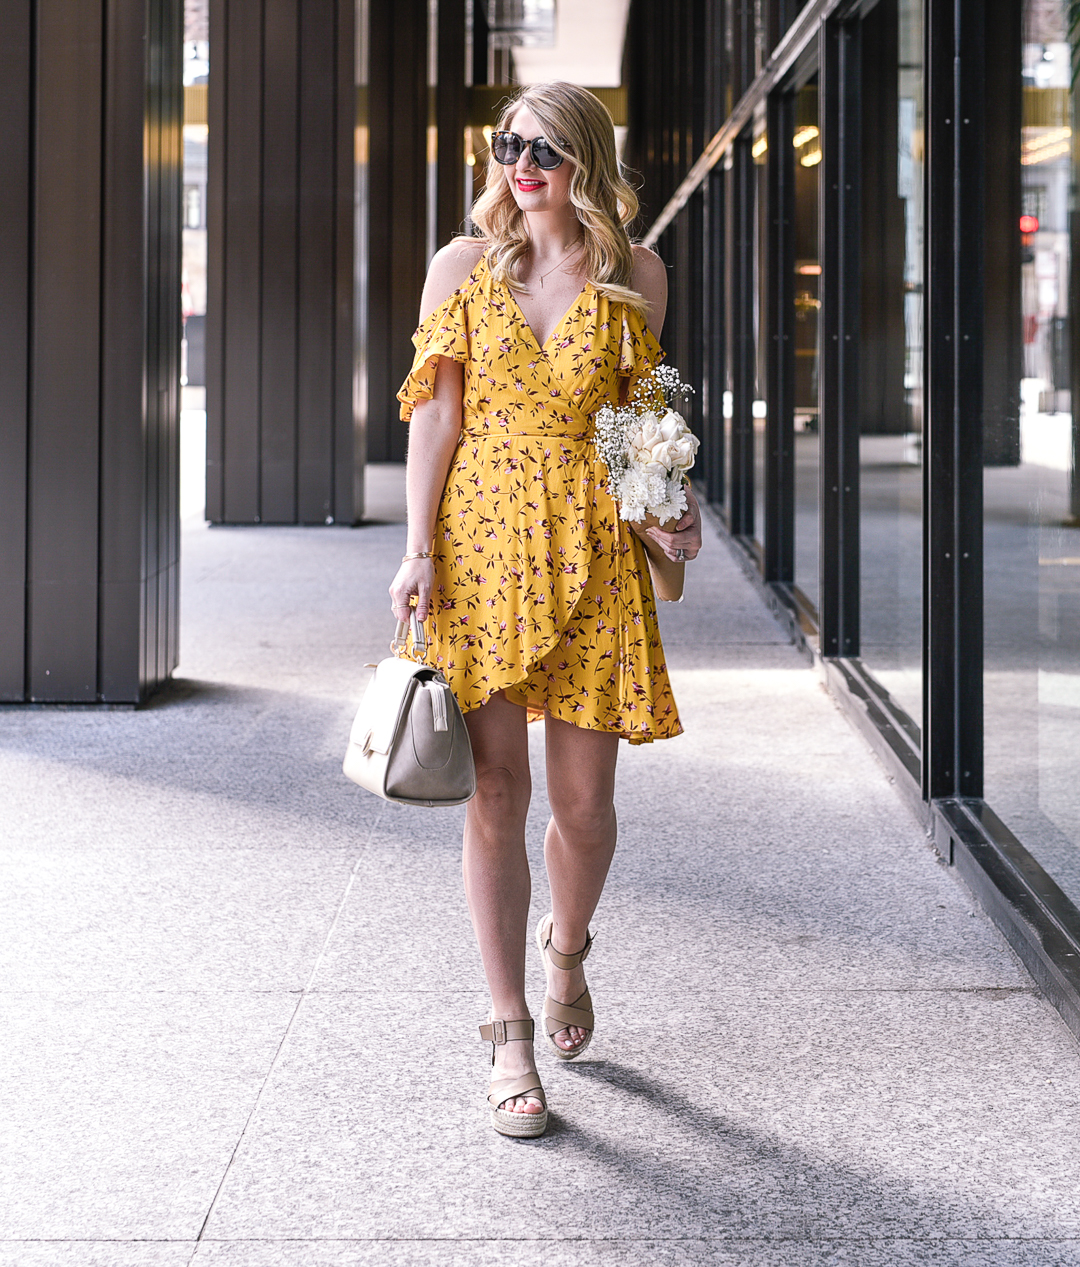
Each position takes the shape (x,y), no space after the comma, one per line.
(519,1125)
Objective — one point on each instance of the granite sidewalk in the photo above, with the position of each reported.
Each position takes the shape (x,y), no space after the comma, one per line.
(240,996)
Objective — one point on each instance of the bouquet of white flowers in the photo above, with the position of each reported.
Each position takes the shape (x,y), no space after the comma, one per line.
(648,448)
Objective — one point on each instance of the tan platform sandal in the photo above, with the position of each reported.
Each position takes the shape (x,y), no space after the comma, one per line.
(518,1125)
(557,1016)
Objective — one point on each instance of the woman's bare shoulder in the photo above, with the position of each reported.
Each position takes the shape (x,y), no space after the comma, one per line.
(650,272)
(650,280)
(450,268)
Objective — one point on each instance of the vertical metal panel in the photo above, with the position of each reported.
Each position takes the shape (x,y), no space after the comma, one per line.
(839,81)
(779,526)
(16,97)
(952,667)
(280,140)
(129,332)
(714,374)
(241,260)
(450,116)
(64,389)
(217,114)
(882,232)
(350,421)
(1003,323)
(740,509)
(397,102)
(316,198)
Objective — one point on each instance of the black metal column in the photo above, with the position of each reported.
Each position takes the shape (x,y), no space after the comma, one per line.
(953,619)
(396,212)
(838,611)
(779,527)
(741,355)
(89,359)
(281,443)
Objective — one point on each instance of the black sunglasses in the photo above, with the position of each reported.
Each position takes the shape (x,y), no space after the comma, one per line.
(508,147)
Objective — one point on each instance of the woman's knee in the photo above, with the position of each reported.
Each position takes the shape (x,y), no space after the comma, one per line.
(585,815)
(502,792)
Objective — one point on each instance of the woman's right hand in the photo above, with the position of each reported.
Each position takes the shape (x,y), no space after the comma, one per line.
(415,578)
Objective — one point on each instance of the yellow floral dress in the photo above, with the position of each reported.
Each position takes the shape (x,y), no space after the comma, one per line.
(541,591)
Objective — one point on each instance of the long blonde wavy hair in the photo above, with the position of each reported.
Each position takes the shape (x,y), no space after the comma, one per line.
(579,127)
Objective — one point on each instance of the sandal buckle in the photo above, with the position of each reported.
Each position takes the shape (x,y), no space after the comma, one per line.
(498,1032)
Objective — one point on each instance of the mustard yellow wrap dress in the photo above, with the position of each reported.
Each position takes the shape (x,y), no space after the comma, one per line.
(541,591)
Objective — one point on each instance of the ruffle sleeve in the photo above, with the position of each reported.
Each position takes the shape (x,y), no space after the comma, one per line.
(639,349)
(443,333)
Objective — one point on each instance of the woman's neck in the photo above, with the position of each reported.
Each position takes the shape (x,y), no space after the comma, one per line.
(552,233)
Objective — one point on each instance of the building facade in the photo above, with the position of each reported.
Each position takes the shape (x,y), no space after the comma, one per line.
(868,209)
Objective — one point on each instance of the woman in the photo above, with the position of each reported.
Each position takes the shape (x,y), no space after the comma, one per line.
(539,596)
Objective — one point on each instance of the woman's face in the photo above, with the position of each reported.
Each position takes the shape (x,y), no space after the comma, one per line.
(535,189)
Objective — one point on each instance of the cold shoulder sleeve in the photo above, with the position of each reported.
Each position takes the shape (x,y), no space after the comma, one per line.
(443,333)
(639,350)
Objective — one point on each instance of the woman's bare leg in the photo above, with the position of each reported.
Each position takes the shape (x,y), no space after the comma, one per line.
(496,871)
(578,847)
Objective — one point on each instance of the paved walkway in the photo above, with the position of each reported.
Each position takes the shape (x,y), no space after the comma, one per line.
(240,995)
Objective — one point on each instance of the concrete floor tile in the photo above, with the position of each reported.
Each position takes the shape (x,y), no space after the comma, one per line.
(86,1253)
(689,1252)
(845,1135)
(122,919)
(121,1112)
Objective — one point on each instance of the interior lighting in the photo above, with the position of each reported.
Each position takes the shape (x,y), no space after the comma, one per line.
(1049,144)
(760,146)
(802,135)
(809,270)
(811,159)
(1029,224)
(470,159)
(487,133)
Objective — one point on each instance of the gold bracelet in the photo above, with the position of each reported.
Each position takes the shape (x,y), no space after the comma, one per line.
(418,554)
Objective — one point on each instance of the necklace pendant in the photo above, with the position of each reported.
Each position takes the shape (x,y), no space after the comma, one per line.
(541,283)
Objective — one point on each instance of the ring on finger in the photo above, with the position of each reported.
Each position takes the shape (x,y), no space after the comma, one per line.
(680,556)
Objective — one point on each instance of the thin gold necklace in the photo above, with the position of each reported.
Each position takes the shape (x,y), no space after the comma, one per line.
(566,255)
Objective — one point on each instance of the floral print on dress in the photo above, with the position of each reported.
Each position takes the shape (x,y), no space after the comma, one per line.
(541,591)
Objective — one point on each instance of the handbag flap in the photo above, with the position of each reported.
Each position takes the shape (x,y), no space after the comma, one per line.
(379,714)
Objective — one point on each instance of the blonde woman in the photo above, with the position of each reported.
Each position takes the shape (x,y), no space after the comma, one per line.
(537,598)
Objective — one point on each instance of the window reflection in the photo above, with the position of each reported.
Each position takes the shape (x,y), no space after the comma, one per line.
(807,144)
(1031,534)
(759,410)
(891,350)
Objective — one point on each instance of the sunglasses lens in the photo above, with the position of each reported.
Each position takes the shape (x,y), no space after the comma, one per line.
(544,156)
(506,147)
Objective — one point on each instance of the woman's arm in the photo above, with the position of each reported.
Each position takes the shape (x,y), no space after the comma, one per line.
(433,437)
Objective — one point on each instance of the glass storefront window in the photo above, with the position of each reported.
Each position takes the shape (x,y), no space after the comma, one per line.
(807,143)
(760,154)
(891,350)
(1031,533)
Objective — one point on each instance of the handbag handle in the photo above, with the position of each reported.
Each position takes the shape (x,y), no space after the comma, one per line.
(419,638)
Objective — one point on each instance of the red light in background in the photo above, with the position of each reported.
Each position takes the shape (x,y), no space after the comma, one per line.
(1029,224)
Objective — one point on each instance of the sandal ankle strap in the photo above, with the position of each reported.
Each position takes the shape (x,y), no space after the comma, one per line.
(499,1032)
(566,962)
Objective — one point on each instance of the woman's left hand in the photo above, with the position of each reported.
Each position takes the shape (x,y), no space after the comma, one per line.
(686,535)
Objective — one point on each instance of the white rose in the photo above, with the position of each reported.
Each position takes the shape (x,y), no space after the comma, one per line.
(665,453)
(672,425)
(684,450)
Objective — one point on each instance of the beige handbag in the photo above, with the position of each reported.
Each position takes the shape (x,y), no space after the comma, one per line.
(409,742)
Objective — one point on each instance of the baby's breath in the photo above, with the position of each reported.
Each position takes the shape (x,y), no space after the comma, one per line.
(637,490)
